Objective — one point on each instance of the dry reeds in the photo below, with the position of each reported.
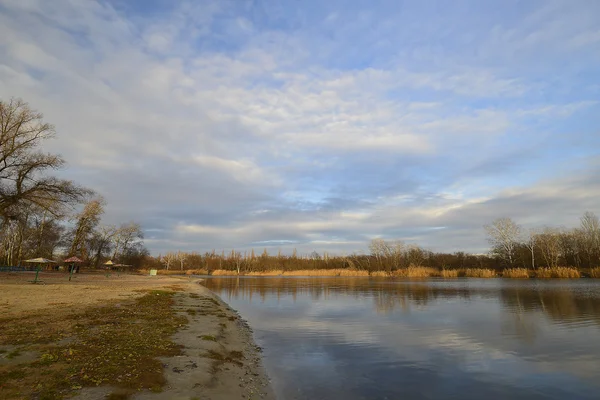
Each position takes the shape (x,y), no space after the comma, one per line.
(266,273)
(380,274)
(595,272)
(518,273)
(449,273)
(196,272)
(223,272)
(558,272)
(416,272)
(327,272)
(478,273)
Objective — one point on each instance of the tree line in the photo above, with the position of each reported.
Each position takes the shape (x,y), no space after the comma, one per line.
(44,216)
(511,247)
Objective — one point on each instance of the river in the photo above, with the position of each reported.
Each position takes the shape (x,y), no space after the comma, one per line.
(378,338)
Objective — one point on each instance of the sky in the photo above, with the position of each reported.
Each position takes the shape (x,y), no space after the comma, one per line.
(316,125)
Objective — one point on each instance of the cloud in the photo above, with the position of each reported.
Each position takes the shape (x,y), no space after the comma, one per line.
(314,125)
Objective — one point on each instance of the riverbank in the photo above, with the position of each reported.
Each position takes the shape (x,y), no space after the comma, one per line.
(123,337)
(416,272)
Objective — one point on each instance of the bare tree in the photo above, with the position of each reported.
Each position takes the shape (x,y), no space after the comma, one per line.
(181,257)
(86,222)
(590,230)
(550,246)
(23,178)
(168,259)
(125,236)
(100,242)
(503,235)
(530,242)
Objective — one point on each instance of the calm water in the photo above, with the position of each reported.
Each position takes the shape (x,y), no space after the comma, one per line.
(365,338)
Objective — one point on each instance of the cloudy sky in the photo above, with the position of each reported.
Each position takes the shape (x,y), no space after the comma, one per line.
(317,125)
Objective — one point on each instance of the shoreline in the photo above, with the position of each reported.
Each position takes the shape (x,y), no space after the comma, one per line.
(410,272)
(211,353)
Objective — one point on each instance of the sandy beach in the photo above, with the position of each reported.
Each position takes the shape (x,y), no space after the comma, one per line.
(216,357)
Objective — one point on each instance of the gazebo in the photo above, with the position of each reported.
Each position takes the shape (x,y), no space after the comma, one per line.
(73,268)
(39,261)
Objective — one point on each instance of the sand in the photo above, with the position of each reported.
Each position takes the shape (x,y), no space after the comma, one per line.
(219,361)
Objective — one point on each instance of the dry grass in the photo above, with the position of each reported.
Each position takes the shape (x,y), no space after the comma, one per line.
(276,272)
(196,272)
(558,272)
(478,273)
(104,346)
(519,273)
(417,272)
(223,272)
(595,272)
(449,273)
(327,272)
(381,274)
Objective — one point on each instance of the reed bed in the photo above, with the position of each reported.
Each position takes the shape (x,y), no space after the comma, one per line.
(196,272)
(276,272)
(595,272)
(478,273)
(417,272)
(558,272)
(449,273)
(327,272)
(516,273)
(382,274)
(223,272)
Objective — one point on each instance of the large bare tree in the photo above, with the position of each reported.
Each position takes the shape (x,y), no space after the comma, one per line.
(24,180)
(503,234)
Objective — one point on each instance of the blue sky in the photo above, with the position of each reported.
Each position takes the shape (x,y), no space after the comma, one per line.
(317,125)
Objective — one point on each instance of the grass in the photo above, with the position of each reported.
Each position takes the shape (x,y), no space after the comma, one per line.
(210,338)
(558,272)
(449,273)
(115,344)
(518,273)
(478,273)
(416,272)
(595,272)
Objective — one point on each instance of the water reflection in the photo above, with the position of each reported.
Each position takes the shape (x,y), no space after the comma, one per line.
(365,338)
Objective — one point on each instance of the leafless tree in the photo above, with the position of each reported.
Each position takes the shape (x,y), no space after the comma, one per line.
(86,222)
(23,167)
(168,259)
(181,257)
(590,230)
(503,235)
(530,241)
(125,236)
(550,246)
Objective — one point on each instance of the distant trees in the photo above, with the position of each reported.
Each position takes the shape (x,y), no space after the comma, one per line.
(547,246)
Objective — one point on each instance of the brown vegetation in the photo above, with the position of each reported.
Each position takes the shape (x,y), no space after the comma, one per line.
(515,273)
(558,272)
(116,344)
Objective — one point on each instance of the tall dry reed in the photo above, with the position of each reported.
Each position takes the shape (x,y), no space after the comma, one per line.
(416,272)
(327,272)
(595,272)
(384,274)
(519,273)
(558,272)
(449,273)
(478,273)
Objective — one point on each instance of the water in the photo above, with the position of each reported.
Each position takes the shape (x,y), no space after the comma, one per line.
(367,338)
